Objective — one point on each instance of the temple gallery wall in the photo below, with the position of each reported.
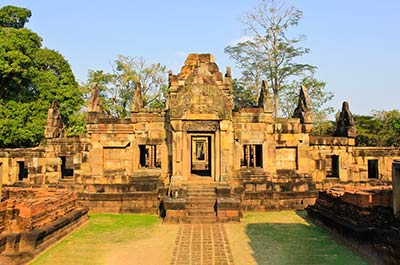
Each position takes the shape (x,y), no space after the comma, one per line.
(247,158)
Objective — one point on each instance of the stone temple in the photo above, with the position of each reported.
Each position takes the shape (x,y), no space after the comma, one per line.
(197,159)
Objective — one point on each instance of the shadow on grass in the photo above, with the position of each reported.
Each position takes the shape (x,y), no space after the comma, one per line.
(296,243)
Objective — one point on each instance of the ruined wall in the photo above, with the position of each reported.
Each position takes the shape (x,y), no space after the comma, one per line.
(33,219)
(22,164)
(360,166)
(364,217)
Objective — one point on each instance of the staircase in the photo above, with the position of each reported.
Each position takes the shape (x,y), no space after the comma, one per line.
(200,203)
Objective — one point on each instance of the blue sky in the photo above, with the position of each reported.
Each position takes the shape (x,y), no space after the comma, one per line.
(354,43)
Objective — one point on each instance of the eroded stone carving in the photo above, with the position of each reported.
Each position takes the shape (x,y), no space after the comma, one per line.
(303,109)
(200,126)
(200,89)
(55,127)
(94,104)
(345,123)
(264,100)
(137,102)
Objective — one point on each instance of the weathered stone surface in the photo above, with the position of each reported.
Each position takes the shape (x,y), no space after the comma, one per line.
(33,219)
(55,127)
(345,123)
(264,100)
(363,216)
(303,110)
(137,102)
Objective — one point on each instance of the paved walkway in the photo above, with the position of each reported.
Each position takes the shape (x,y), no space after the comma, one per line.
(202,244)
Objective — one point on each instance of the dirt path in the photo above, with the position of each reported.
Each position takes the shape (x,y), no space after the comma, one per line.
(155,247)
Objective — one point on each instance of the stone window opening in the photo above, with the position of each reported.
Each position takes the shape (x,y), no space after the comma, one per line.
(332,166)
(252,156)
(149,157)
(23,171)
(373,172)
(67,169)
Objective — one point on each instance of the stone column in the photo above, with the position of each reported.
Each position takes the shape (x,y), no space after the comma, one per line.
(396,186)
(217,176)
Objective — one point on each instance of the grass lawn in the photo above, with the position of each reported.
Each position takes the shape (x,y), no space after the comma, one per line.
(94,242)
(262,238)
(287,238)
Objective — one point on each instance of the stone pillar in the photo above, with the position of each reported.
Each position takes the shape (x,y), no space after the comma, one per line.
(217,151)
(396,186)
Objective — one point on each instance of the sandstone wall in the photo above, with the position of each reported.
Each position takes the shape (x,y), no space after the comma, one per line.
(33,219)
(364,217)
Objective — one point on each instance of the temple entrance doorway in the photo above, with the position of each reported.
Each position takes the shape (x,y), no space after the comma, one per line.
(201,156)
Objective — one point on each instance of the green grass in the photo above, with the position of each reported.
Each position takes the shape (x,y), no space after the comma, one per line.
(287,238)
(95,240)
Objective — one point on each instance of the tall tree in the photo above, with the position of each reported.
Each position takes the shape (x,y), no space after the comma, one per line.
(30,78)
(270,53)
(117,88)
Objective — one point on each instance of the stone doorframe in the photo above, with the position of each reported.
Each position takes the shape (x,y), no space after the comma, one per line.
(211,144)
(182,142)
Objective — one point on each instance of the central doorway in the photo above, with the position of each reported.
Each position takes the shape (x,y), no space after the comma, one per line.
(201,156)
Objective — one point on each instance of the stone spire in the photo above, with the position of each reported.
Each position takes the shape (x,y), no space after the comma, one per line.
(303,110)
(95,104)
(95,108)
(137,102)
(55,127)
(345,123)
(264,100)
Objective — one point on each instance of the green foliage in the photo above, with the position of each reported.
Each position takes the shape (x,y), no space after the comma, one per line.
(30,78)
(117,88)
(380,129)
(243,97)
(323,128)
(271,54)
(14,17)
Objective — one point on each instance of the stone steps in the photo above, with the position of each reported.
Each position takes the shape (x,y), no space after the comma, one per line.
(200,203)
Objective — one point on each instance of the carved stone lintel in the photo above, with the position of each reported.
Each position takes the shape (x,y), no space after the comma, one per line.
(200,126)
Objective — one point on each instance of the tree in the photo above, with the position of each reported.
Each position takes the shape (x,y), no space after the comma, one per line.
(380,129)
(270,53)
(30,78)
(117,88)
(244,98)
(14,17)
(250,58)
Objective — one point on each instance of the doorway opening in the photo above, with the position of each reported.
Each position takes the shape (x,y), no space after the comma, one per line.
(201,156)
